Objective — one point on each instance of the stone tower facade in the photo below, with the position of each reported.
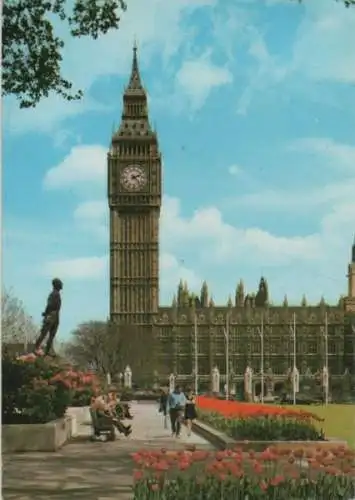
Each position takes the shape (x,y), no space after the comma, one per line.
(134,194)
(189,335)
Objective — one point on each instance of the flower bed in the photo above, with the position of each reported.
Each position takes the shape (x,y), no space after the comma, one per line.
(239,409)
(256,422)
(273,473)
(37,390)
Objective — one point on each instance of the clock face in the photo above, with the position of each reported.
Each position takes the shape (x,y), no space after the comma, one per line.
(133,178)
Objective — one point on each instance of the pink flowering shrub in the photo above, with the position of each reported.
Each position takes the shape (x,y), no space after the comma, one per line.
(38,390)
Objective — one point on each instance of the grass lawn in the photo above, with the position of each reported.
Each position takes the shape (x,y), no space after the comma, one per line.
(339,420)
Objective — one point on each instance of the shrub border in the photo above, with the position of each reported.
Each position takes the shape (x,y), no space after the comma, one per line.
(221,441)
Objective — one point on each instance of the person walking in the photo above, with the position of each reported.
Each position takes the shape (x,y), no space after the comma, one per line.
(176,405)
(163,402)
(190,411)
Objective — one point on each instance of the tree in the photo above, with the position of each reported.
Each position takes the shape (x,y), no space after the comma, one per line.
(17,325)
(93,345)
(31,49)
(109,348)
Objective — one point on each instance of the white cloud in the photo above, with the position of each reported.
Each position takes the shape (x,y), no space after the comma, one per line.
(301,200)
(93,217)
(84,164)
(337,155)
(217,241)
(267,71)
(197,79)
(173,270)
(235,169)
(47,114)
(320,53)
(83,268)
(93,211)
(322,50)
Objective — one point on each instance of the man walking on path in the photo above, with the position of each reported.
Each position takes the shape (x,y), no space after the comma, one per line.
(163,403)
(176,405)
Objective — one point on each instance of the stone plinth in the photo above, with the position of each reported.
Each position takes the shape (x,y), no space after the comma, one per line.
(36,437)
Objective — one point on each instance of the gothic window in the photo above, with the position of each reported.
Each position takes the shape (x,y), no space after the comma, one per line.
(185,366)
(302,348)
(273,346)
(312,347)
(332,347)
(204,365)
(256,347)
(219,346)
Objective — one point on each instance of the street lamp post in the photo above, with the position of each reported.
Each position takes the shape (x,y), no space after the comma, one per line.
(293,333)
(261,333)
(226,336)
(326,375)
(196,355)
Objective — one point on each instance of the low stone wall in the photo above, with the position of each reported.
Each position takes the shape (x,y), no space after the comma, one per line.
(80,415)
(224,442)
(36,437)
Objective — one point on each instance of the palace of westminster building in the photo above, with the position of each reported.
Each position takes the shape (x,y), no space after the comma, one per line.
(134,196)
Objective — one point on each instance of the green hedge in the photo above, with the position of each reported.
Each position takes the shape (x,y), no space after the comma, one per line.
(263,428)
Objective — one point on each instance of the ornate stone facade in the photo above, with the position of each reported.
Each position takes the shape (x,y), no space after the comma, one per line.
(134,192)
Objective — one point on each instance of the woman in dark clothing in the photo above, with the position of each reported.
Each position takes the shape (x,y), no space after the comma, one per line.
(190,411)
(163,401)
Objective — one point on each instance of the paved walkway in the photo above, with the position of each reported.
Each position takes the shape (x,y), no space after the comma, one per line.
(89,470)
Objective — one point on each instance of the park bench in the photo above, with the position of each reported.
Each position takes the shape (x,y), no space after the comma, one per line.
(102,425)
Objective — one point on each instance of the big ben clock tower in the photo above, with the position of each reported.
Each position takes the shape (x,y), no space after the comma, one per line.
(134,193)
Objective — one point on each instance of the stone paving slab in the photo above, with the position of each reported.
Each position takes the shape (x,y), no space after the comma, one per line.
(89,470)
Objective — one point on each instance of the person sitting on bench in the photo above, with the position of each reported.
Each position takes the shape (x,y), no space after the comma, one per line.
(101,407)
(121,409)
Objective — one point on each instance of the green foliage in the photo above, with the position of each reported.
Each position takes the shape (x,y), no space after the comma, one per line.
(32,51)
(264,428)
(32,391)
(82,396)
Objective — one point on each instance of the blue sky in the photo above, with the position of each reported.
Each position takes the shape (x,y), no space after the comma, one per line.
(254,106)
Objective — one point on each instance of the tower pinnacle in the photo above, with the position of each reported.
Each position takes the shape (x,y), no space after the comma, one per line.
(353,251)
(135,84)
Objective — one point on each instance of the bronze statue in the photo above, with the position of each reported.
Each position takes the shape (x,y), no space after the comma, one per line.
(50,317)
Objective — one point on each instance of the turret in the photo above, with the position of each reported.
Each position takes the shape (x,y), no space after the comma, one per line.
(262,296)
(180,292)
(185,299)
(240,294)
(204,295)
